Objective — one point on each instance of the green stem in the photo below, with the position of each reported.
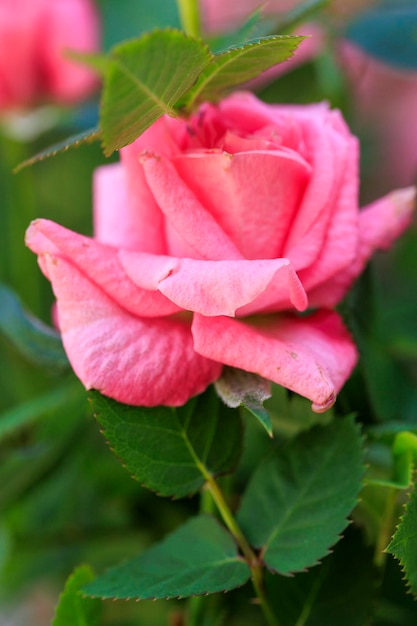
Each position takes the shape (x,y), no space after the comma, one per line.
(190,17)
(387,525)
(253,561)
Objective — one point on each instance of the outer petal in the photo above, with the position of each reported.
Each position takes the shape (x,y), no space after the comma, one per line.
(102,265)
(312,356)
(247,193)
(133,360)
(191,231)
(221,287)
(380,223)
(125,212)
(341,238)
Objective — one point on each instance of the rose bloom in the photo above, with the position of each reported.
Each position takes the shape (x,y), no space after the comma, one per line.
(385,105)
(210,234)
(34,36)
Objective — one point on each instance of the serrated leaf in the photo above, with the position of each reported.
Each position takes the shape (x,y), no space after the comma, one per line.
(199,557)
(340,592)
(239,64)
(239,388)
(87,136)
(298,500)
(74,609)
(170,450)
(404,542)
(39,343)
(144,80)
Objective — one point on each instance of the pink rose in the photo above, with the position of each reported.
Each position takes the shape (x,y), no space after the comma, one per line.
(210,235)
(34,35)
(385,103)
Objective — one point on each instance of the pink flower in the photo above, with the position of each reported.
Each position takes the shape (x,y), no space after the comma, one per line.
(385,102)
(210,235)
(34,36)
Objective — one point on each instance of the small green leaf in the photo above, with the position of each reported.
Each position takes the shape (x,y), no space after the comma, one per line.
(198,558)
(144,80)
(74,609)
(404,542)
(239,64)
(298,500)
(87,136)
(239,388)
(39,343)
(168,450)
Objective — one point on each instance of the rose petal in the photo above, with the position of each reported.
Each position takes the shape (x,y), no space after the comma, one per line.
(125,212)
(68,25)
(102,265)
(220,287)
(133,360)
(341,239)
(380,223)
(247,193)
(312,356)
(191,231)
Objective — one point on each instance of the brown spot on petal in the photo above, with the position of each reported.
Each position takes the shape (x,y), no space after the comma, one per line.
(326,405)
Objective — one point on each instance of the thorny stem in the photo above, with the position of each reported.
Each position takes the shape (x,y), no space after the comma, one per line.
(190,17)
(252,560)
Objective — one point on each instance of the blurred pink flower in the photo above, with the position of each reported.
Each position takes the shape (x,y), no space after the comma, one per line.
(385,103)
(34,35)
(210,234)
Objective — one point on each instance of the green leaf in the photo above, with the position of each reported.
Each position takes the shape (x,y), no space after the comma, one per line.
(340,592)
(39,343)
(239,64)
(144,80)
(198,558)
(239,388)
(298,500)
(87,136)
(25,414)
(404,542)
(168,450)
(74,609)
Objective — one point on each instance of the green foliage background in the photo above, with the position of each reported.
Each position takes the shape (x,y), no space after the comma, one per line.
(64,497)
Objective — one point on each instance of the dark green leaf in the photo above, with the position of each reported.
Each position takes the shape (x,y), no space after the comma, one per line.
(239,64)
(74,609)
(404,542)
(171,451)
(298,501)
(144,80)
(36,341)
(239,388)
(340,592)
(199,557)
